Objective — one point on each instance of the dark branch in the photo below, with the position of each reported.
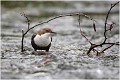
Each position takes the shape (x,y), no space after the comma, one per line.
(82,32)
(94,26)
(107,48)
(105,29)
(93,46)
(105,37)
(59,16)
(22,41)
(64,15)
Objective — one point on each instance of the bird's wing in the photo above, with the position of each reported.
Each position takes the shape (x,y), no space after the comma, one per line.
(33,36)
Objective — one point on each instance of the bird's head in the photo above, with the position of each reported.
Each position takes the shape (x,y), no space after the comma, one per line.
(46,30)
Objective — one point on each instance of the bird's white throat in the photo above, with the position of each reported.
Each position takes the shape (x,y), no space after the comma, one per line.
(42,40)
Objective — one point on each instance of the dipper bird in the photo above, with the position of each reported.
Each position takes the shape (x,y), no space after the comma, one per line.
(42,39)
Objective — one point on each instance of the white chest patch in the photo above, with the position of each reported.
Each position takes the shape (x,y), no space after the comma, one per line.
(42,40)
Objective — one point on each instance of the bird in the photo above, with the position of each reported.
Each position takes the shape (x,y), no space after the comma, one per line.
(41,40)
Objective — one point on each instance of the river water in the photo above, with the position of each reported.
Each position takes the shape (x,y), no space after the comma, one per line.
(67,58)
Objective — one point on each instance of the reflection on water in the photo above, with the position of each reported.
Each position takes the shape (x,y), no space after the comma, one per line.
(66,58)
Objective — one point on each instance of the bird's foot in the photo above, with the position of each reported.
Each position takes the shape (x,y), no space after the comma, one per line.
(44,61)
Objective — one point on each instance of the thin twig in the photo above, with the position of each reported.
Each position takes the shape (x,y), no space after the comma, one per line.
(22,41)
(105,27)
(78,14)
(105,37)
(64,15)
(94,27)
(107,48)
(82,32)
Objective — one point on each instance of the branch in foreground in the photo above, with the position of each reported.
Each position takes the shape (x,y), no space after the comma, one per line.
(105,27)
(23,34)
(64,15)
(93,46)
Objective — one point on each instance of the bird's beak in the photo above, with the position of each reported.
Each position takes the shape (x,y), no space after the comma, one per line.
(54,32)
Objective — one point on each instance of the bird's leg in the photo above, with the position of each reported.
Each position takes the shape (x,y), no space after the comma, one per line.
(45,58)
(42,52)
(44,61)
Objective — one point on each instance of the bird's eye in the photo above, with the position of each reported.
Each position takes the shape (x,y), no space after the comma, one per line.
(47,31)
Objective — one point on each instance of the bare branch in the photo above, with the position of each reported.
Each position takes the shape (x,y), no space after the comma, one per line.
(111,26)
(105,29)
(59,16)
(105,37)
(22,41)
(94,26)
(107,48)
(28,21)
(93,46)
(116,43)
(82,32)
(64,15)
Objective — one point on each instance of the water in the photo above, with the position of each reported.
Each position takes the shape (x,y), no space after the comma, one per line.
(67,56)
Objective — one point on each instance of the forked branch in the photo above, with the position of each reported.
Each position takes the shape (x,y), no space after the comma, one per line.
(93,46)
(51,19)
